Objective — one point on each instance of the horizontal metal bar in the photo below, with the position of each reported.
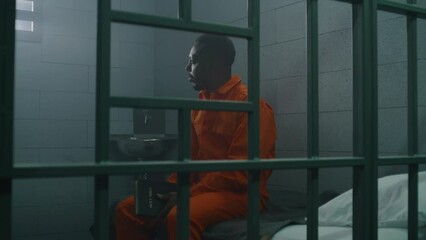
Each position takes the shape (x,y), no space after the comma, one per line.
(179,24)
(179,103)
(402,160)
(124,168)
(401,8)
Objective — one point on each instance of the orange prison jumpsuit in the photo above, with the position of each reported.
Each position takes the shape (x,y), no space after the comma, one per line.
(215,196)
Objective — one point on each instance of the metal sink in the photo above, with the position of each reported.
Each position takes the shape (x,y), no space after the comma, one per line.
(145,146)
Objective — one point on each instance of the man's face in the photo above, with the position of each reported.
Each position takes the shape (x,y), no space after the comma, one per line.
(198,69)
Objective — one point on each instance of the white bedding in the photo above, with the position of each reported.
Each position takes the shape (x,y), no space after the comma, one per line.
(298,232)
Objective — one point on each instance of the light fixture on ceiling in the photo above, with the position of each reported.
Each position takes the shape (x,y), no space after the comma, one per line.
(24,6)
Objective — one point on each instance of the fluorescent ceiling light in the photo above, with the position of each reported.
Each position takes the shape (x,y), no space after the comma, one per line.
(25,5)
(23,25)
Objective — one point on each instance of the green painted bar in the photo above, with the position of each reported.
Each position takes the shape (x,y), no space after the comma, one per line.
(253,216)
(358,197)
(401,8)
(313,200)
(183,206)
(402,160)
(7,70)
(313,116)
(103,79)
(178,24)
(370,141)
(413,201)
(185,10)
(184,152)
(116,168)
(101,225)
(357,79)
(102,117)
(412,125)
(413,169)
(358,116)
(179,103)
(312,71)
(6,208)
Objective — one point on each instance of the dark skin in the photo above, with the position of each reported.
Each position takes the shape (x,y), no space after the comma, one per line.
(204,73)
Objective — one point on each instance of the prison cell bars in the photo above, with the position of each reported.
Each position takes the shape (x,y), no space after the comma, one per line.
(365,160)
(413,158)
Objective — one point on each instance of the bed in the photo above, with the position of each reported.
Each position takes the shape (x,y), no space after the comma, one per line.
(284,218)
(298,232)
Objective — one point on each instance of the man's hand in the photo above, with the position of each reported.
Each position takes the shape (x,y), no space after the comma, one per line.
(171,199)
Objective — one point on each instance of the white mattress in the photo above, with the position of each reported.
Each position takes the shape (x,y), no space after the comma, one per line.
(298,232)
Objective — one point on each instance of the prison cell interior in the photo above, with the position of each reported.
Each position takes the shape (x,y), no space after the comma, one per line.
(363,156)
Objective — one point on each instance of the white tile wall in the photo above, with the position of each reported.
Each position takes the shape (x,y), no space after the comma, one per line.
(132,82)
(291,22)
(333,16)
(78,218)
(335,91)
(66,22)
(27,104)
(268,26)
(85,5)
(392,40)
(335,51)
(71,50)
(291,132)
(392,131)
(276,4)
(24,221)
(219,11)
(67,155)
(335,133)
(291,95)
(69,106)
(392,84)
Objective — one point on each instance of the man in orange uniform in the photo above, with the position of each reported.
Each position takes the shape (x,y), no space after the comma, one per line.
(215,196)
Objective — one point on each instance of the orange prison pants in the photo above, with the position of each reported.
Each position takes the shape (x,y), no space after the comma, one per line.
(206,209)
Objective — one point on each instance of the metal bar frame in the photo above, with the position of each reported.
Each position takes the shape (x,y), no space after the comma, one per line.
(312,117)
(365,161)
(368,227)
(7,71)
(102,117)
(413,169)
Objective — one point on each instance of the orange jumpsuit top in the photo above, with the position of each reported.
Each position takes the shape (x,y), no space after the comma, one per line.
(223,135)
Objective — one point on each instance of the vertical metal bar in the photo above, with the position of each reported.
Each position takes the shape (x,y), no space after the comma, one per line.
(413,221)
(370,141)
(312,211)
(359,202)
(185,10)
(358,136)
(357,78)
(102,116)
(412,83)
(183,207)
(412,124)
(253,119)
(313,116)
(312,64)
(7,70)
